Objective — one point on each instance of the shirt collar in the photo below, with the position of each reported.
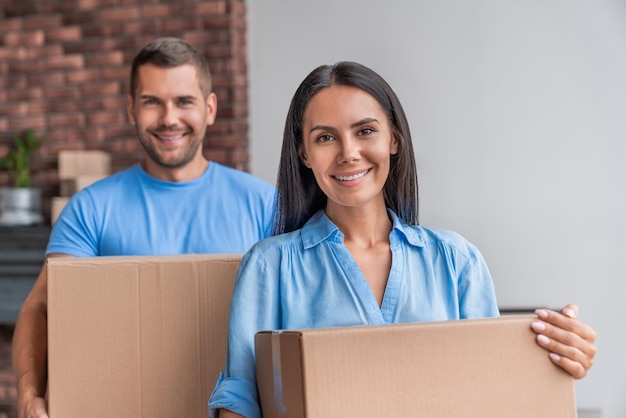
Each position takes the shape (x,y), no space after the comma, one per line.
(320,228)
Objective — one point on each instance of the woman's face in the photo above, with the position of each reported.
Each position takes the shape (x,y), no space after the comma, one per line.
(347,143)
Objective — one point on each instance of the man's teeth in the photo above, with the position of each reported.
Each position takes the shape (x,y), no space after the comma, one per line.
(169,137)
(352,177)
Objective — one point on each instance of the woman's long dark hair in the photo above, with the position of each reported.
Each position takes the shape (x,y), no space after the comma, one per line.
(299,196)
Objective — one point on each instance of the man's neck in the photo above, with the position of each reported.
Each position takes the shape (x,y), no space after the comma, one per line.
(188,172)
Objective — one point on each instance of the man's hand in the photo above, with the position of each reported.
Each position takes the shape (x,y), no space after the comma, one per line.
(569,341)
(35,408)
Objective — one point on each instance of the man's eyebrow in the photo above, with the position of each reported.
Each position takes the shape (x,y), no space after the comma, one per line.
(186,96)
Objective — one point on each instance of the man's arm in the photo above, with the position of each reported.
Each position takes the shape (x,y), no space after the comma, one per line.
(30,350)
(225,413)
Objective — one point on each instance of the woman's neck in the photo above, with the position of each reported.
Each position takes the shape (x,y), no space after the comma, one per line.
(363,226)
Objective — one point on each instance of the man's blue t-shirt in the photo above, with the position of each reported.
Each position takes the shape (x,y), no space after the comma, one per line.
(132,213)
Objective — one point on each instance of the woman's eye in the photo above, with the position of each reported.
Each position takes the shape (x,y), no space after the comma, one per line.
(366,131)
(324,138)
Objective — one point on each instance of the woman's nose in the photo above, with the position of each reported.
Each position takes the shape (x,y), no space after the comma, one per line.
(349,151)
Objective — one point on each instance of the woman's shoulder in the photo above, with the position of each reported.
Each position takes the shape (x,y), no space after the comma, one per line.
(427,236)
(281,243)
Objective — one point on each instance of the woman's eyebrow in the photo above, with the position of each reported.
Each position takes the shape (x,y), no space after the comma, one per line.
(363,121)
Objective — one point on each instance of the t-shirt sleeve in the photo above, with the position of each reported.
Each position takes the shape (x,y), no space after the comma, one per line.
(74,231)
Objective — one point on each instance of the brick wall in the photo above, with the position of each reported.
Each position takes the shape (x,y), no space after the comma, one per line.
(64,69)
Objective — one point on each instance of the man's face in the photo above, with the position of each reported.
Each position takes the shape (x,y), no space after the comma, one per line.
(171,114)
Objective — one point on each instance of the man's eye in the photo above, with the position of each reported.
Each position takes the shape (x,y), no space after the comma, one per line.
(186,102)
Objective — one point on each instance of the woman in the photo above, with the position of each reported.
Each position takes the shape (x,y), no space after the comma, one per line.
(348,249)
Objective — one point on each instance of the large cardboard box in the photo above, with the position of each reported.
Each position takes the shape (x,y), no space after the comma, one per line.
(73,163)
(137,336)
(488,368)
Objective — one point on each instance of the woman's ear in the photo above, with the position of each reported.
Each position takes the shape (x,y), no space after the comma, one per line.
(394,147)
(303,157)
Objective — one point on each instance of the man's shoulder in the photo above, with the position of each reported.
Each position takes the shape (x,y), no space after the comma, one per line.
(119,179)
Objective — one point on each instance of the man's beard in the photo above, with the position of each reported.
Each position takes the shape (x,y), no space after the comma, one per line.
(189,153)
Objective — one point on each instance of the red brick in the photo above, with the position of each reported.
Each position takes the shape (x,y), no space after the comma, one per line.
(86,45)
(36,52)
(34,37)
(100,89)
(216,22)
(69,62)
(11,25)
(31,93)
(104,58)
(27,122)
(236,7)
(60,138)
(66,33)
(83,75)
(208,8)
(159,10)
(12,53)
(66,119)
(116,73)
(135,28)
(114,102)
(106,118)
(119,14)
(49,78)
(181,24)
(14,109)
(48,21)
(61,92)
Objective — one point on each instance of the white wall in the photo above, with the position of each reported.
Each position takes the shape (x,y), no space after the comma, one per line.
(518,114)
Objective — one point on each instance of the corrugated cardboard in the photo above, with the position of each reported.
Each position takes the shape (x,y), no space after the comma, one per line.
(488,368)
(137,336)
(70,186)
(73,163)
(57,205)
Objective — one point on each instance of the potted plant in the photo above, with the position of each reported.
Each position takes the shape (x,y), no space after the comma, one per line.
(20,204)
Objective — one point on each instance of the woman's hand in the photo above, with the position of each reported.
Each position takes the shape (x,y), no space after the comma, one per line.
(569,341)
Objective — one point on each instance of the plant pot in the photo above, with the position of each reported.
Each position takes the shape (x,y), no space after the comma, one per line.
(20,206)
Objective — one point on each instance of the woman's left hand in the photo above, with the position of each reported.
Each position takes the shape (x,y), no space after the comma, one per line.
(569,341)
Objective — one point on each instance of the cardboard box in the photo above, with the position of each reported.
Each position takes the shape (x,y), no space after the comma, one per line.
(487,368)
(74,163)
(68,187)
(137,336)
(57,205)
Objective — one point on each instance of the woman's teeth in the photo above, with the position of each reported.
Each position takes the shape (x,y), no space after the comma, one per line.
(352,177)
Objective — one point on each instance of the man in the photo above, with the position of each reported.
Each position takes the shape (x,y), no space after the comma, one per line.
(173,202)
